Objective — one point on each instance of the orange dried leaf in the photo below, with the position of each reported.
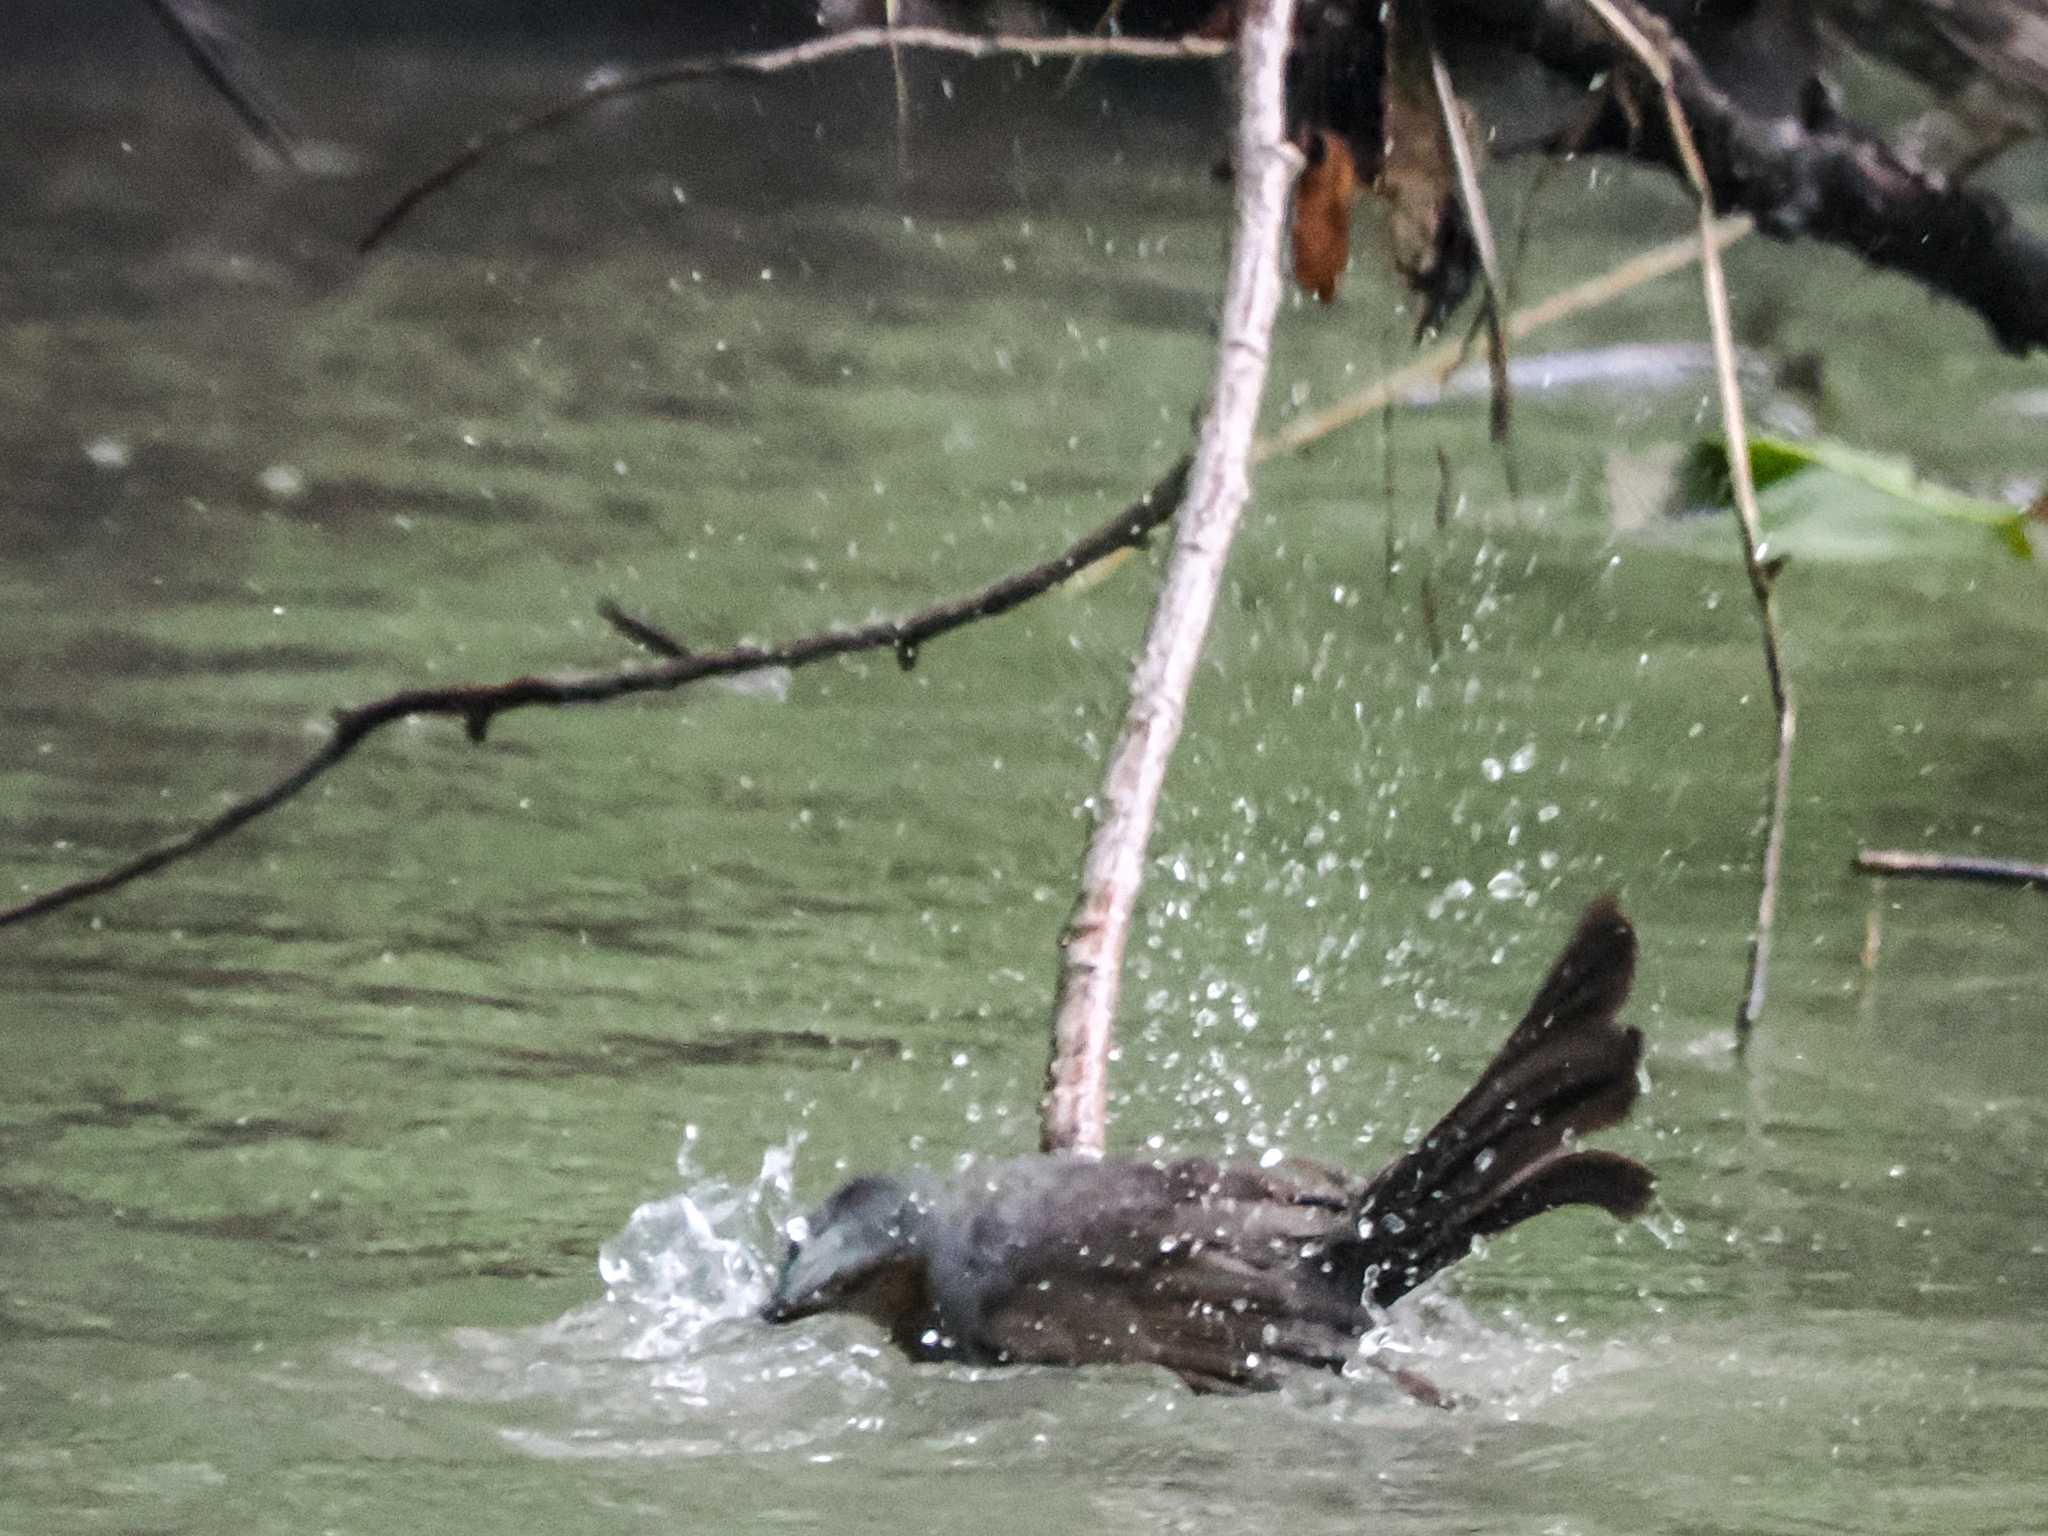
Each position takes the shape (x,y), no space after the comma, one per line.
(1323,200)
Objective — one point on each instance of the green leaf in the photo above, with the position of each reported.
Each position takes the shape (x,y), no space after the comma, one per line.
(1774,460)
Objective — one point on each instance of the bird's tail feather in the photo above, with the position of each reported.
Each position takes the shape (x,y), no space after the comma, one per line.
(1508,1150)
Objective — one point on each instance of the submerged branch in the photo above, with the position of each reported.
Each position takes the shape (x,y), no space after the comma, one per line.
(1952,866)
(770,61)
(1075,1115)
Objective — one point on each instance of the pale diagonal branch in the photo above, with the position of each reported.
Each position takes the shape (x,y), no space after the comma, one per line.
(1075,1114)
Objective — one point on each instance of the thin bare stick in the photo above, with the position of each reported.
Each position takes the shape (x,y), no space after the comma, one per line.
(478,704)
(642,632)
(1873,933)
(1952,866)
(1075,1116)
(188,30)
(1129,529)
(1473,200)
(892,17)
(773,61)
(1635,28)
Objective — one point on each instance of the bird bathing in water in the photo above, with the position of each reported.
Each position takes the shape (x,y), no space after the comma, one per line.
(1226,1275)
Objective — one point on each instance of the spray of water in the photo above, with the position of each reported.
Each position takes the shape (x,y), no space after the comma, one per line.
(701,1257)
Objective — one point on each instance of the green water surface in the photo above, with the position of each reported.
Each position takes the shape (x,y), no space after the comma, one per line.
(309,1147)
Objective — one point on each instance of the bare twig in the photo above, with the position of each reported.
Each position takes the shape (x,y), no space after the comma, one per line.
(189,32)
(646,635)
(478,704)
(892,16)
(1473,200)
(1952,866)
(1076,1110)
(1636,29)
(1105,25)
(773,61)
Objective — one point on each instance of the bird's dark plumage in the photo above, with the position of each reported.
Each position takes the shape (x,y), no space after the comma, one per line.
(1228,1274)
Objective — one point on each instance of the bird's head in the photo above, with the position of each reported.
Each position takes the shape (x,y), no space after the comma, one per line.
(862,1251)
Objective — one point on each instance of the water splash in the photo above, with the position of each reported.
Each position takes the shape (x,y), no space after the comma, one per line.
(672,1363)
(701,1257)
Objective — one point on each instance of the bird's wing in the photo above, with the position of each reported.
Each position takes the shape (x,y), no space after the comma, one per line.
(1216,1273)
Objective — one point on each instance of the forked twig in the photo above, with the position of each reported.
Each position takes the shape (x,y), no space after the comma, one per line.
(476,705)
(772,61)
(1635,28)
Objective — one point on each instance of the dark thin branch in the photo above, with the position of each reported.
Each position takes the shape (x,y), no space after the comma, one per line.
(771,61)
(1952,866)
(1826,180)
(642,633)
(477,705)
(189,34)
(1129,529)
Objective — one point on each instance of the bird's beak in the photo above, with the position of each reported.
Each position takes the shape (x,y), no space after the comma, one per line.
(783,1305)
(803,1289)
(786,1307)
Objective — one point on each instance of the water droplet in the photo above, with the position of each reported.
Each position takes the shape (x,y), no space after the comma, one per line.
(284,481)
(109,453)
